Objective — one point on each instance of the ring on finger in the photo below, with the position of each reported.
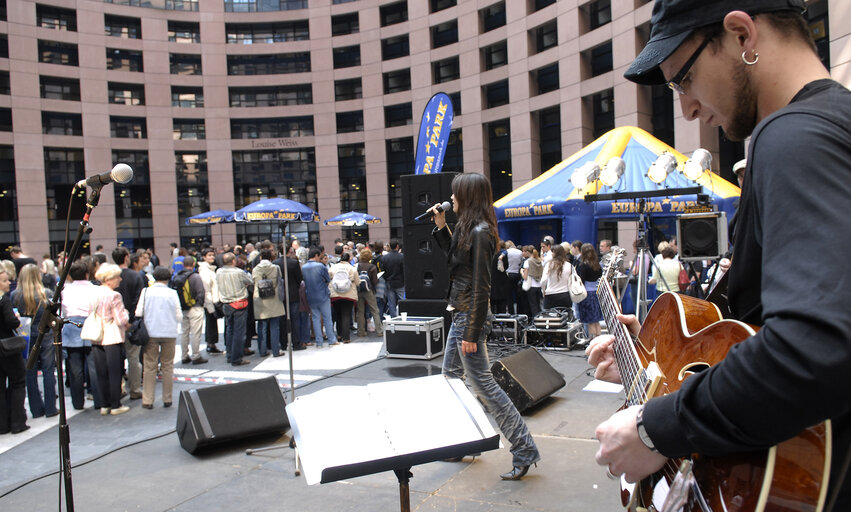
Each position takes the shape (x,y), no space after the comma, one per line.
(610,475)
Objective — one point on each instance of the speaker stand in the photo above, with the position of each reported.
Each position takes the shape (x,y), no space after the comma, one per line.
(404,475)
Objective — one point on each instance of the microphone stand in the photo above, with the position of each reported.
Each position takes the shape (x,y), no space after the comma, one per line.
(51,318)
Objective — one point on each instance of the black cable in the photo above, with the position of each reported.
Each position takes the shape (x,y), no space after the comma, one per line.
(87,461)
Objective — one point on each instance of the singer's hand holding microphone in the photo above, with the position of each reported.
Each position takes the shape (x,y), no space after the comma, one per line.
(438,211)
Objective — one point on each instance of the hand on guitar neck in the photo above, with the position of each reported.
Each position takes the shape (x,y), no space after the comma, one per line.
(601,355)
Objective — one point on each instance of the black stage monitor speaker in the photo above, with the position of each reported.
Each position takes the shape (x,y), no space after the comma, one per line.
(229,412)
(426,271)
(422,191)
(527,378)
(702,236)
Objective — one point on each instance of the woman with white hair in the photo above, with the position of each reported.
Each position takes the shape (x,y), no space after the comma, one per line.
(107,351)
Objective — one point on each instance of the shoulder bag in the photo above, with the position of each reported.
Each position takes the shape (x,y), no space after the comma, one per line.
(578,293)
(137,333)
(13,346)
(93,327)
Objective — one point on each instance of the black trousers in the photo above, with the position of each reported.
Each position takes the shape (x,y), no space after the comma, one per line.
(108,364)
(211,329)
(341,312)
(13,389)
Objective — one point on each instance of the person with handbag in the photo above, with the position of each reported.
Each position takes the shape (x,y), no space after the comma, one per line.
(76,306)
(114,319)
(159,306)
(13,417)
(366,294)
(29,298)
(555,280)
(531,272)
(666,273)
(590,271)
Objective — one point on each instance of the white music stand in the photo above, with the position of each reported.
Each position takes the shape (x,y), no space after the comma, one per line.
(389,426)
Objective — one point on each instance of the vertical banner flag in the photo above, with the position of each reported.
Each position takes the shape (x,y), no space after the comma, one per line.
(434,134)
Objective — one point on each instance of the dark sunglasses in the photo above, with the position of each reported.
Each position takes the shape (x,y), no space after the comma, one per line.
(674,83)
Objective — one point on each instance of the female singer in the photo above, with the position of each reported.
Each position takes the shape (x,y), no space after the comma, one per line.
(470,252)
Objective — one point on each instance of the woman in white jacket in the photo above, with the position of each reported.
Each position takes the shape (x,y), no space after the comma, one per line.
(555,281)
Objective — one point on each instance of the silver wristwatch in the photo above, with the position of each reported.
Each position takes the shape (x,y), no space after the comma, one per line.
(642,432)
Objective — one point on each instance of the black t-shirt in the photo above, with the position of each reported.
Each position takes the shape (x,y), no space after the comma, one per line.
(788,276)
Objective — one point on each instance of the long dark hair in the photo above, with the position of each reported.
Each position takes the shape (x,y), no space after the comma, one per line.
(475,204)
(589,257)
(558,261)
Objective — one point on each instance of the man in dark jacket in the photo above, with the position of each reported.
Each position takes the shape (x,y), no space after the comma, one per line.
(294,279)
(393,265)
(131,286)
(193,312)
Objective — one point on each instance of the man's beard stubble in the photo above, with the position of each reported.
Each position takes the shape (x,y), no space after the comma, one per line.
(744,118)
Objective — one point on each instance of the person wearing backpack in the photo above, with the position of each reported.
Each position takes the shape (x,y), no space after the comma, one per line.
(268,307)
(368,274)
(344,295)
(316,281)
(191,292)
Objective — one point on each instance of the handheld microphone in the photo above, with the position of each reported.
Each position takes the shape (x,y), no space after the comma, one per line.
(446,206)
(121,173)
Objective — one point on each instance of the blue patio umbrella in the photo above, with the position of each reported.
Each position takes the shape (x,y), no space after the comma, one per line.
(352,219)
(211,217)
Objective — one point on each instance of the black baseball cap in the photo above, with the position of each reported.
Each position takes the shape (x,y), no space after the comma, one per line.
(673,21)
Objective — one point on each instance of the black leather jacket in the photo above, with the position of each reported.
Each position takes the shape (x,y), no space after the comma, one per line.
(469,275)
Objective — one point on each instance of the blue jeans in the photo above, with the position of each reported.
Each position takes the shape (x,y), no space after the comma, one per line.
(393,297)
(268,335)
(235,333)
(47,365)
(322,315)
(476,367)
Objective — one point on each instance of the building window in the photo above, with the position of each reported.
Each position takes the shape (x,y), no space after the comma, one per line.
(120,26)
(499,155)
(350,89)
(181,5)
(495,55)
(599,13)
(271,96)
(126,94)
(444,34)
(545,78)
(270,128)
(346,57)
(348,122)
(63,168)
(8,200)
(400,160)
(456,103)
(393,13)
(59,88)
(395,47)
(128,127)
(492,16)
(662,113)
(188,129)
(537,5)
(184,63)
(545,36)
(396,81)
(5,85)
(124,60)
(192,195)
(184,32)
(601,59)
(257,33)
(52,52)
(439,5)
(603,111)
(352,170)
(496,94)
(56,18)
(133,212)
(264,5)
(549,137)
(3,10)
(398,115)
(338,2)
(5,120)
(453,159)
(343,24)
(288,173)
(187,97)
(446,70)
(4,46)
(61,123)
(274,64)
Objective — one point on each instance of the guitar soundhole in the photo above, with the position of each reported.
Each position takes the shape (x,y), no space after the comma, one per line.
(692,368)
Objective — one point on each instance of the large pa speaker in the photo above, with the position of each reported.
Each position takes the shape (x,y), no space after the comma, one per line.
(218,414)
(527,378)
(702,236)
(426,271)
(421,191)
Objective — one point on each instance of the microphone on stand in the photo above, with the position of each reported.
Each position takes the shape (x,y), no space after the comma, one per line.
(446,206)
(121,173)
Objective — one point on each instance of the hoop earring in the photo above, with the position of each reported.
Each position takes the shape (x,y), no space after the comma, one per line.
(750,62)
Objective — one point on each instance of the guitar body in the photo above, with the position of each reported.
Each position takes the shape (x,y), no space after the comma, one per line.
(683,335)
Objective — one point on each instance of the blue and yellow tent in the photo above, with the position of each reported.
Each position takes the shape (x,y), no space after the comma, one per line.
(551,205)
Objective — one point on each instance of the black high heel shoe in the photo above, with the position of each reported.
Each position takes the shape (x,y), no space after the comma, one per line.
(516,473)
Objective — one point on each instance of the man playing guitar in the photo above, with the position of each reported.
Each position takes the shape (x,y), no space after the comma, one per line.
(750,67)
